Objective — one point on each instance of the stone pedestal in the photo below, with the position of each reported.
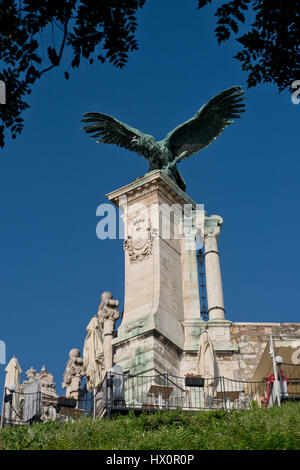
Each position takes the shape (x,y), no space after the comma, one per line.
(161,318)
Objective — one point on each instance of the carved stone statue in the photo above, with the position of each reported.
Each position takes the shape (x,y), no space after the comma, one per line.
(31,375)
(47,388)
(185,140)
(108,314)
(108,308)
(46,382)
(73,374)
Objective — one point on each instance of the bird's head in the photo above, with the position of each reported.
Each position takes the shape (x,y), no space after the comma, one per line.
(134,139)
(136,143)
(145,141)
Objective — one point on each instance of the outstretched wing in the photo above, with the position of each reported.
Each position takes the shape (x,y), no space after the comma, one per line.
(209,122)
(109,130)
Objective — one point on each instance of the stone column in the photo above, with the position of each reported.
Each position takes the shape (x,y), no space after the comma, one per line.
(108,314)
(214,289)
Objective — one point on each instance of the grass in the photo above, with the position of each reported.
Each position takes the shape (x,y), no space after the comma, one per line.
(276,428)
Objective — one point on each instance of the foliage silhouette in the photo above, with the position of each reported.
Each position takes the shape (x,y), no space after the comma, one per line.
(271,48)
(92,29)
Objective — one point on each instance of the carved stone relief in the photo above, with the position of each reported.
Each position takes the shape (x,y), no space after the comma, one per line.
(140,238)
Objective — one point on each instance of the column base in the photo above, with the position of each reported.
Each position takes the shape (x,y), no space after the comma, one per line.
(219,332)
(216,313)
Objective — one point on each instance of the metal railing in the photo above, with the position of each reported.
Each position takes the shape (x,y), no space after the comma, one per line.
(289,381)
(169,392)
(121,393)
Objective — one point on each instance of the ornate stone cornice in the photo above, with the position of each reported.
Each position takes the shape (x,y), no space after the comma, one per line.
(149,183)
(140,193)
(212,226)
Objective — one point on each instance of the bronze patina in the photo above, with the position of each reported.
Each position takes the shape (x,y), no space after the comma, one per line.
(185,140)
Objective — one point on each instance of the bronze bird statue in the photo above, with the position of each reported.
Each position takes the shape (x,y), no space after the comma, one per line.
(185,140)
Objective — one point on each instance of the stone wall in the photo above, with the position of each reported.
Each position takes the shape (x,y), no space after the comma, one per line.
(251,339)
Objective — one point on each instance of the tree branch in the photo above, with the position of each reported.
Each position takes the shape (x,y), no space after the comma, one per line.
(61,49)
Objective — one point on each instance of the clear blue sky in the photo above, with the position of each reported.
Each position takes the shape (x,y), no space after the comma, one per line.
(53,268)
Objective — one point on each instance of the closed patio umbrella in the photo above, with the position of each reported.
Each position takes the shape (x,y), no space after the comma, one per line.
(12,381)
(93,355)
(207,365)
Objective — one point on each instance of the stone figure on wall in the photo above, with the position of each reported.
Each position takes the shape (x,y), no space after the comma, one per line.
(46,382)
(47,388)
(44,378)
(73,374)
(31,375)
(108,308)
(97,351)
(107,315)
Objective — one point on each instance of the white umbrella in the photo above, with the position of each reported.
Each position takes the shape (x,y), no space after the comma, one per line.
(93,355)
(12,382)
(207,365)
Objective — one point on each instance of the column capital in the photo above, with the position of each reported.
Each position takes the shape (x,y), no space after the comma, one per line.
(212,226)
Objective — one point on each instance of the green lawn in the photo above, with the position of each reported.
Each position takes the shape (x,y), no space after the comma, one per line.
(274,428)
